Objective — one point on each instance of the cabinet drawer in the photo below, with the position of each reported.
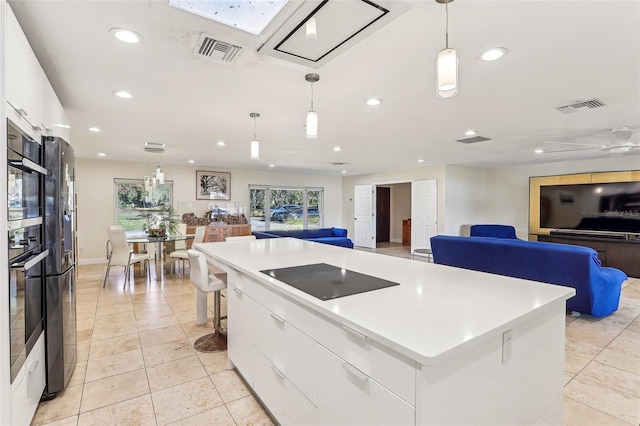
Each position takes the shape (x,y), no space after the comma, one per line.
(295,314)
(282,398)
(240,331)
(391,369)
(27,389)
(347,396)
(288,349)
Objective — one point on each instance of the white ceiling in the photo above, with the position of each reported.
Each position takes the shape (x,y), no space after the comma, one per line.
(560,52)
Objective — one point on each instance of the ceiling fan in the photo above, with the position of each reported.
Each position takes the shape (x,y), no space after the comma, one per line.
(620,144)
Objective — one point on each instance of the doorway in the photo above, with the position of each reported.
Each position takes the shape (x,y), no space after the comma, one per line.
(383,214)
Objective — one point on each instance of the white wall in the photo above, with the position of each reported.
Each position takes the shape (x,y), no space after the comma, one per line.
(400,209)
(464,198)
(507,196)
(96,195)
(426,172)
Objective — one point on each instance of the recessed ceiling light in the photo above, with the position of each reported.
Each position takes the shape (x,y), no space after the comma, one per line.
(538,151)
(191,161)
(344,171)
(94,129)
(374,101)
(493,54)
(102,154)
(122,94)
(471,132)
(64,126)
(420,160)
(337,149)
(221,143)
(126,36)
(272,165)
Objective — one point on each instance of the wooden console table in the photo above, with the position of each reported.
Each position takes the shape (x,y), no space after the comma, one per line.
(217,233)
(619,254)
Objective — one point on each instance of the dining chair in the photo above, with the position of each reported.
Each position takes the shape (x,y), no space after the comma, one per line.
(121,255)
(206,283)
(181,253)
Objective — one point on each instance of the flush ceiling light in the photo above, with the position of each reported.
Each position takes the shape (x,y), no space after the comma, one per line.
(64,126)
(311,131)
(272,165)
(126,36)
(374,101)
(191,161)
(538,151)
(94,129)
(446,64)
(122,94)
(310,28)
(344,171)
(420,160)
(255,145)
(102,154)
(337,149)
(221,143)
(493,54)
(471,132)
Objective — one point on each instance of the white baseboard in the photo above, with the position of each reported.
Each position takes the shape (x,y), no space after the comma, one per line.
(95,261)
(396,240)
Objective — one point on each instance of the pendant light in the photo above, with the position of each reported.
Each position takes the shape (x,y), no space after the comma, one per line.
(311,131)
(255,145)
(446,64)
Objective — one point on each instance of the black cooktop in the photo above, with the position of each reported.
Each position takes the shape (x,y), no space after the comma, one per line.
(327,282)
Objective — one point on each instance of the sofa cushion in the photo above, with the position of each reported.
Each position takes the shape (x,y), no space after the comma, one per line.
(336,241)
(497,231)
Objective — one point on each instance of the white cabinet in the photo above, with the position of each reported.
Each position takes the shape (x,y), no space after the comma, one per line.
(285,401)
(28,385)
(240,329)
(387,367)
(23,79)
(348,396)
(52,112)
(291,351)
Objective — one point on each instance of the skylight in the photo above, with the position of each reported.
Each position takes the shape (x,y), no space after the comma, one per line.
(251,16)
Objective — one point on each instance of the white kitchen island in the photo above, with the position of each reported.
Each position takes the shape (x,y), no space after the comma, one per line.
(445,346)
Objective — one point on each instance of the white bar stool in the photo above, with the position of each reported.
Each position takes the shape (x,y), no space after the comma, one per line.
(206,283)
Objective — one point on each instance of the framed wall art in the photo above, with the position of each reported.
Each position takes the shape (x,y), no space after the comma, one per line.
(213,185)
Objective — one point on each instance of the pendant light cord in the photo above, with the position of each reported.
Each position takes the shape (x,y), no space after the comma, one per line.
(311,96)
(446,37)
(254,128)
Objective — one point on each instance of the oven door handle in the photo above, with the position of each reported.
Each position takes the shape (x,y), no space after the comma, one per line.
(33,261)
(28,166)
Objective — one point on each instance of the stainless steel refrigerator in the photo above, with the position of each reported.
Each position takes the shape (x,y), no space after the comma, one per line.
(60,265)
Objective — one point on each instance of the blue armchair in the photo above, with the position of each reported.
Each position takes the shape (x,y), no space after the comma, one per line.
(496,231)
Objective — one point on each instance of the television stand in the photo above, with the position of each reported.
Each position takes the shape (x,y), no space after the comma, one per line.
(616,250)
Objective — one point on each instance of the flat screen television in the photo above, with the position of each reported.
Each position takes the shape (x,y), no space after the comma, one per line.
(609,207)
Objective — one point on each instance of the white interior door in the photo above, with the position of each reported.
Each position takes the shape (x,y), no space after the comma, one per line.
(424,209)
(364,216)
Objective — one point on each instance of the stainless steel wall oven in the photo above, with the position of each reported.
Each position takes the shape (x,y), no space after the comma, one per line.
(25,180)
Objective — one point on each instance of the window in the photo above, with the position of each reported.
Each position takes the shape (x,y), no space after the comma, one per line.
(278,208)
(132,201)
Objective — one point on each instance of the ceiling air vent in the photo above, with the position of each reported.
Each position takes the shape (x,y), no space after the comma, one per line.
(215,50)
(473,139)
(573,107)
(338,163)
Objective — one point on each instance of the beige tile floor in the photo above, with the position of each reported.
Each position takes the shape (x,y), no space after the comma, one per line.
(137,365)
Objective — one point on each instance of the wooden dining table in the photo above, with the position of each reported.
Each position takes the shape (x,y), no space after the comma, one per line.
(140,238)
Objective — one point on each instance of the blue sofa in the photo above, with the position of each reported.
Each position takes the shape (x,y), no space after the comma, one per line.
(597,288)
(333,236)
(497,231)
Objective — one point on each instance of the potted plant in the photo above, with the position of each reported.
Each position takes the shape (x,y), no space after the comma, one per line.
(158,222)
